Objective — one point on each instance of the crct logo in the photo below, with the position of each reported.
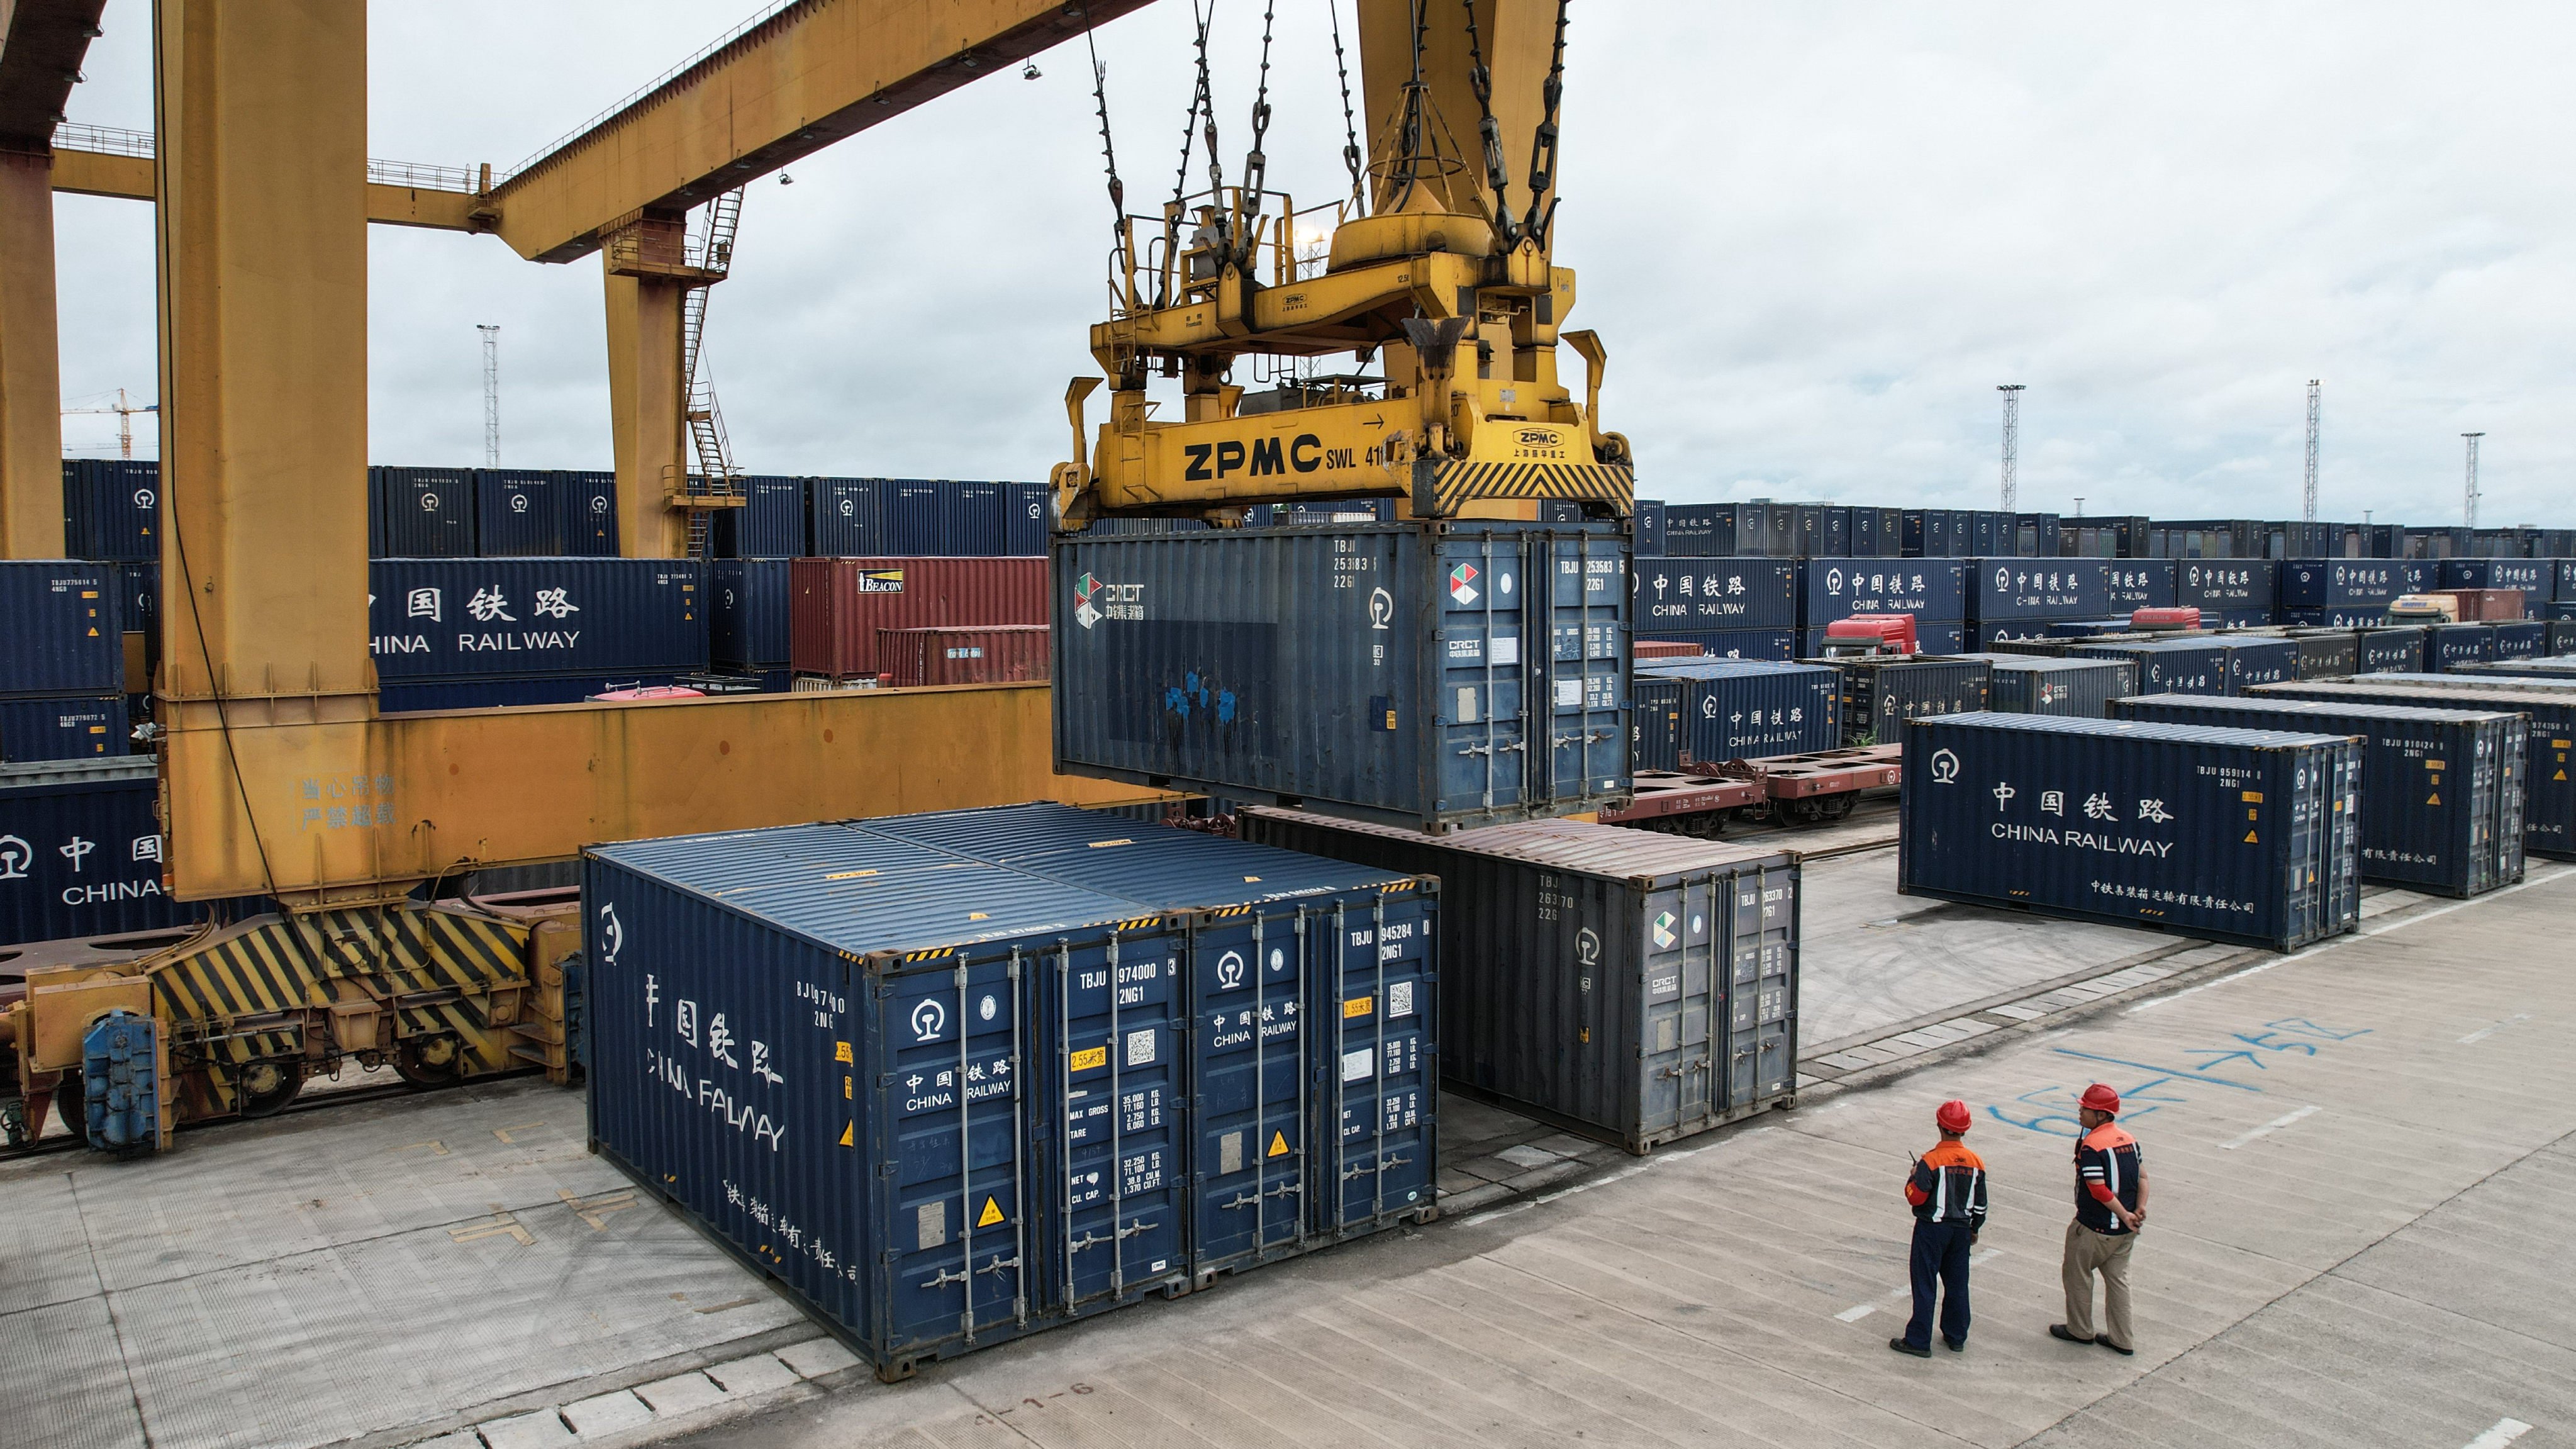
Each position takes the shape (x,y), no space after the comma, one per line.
(1462,583)
(1945,768)
(1085,590)
(929,1018)
(1664,934)
(612,934)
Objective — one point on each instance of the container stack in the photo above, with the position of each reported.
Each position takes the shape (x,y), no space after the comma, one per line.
(1731,608)
(478,633)
(2234,835)
(2077,687)
(2549,806)
(62,661)
(945,1101)
(1630,986)
(842,606)
(1745,709)
(2014,598)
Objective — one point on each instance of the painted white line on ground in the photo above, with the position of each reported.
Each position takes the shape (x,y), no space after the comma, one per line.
(2268,1128)
(2482,1033)
(1988,1256)
(1857,1312)
(1493,1213)
(2504,1432)
(2322,947)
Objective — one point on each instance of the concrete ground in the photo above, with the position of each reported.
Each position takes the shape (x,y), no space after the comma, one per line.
(2356,1155)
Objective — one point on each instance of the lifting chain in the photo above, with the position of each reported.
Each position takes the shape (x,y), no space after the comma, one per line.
(1256,166)
(1100,99)
(1543,148)
(1350,126)
(1414,127)
(1497,179)
(1204,103)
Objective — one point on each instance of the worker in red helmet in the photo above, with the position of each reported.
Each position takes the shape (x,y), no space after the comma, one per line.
(2110,1208)
(1947,1191)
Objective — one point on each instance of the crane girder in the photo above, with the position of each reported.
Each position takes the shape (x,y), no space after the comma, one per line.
(814,73)
(42,44)
(129,178)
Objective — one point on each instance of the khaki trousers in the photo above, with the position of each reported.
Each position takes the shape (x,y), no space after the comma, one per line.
(2089,1252)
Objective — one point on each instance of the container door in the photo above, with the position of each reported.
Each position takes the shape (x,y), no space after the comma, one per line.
(1581,684)
(1762,994)
(2511,794)
(1118,1084)
(1680,945)
(1251,1180)
(1480,583)
(1377,1076)
(958,1234)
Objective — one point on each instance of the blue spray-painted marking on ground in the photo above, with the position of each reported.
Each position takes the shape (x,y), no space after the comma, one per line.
(2051,1110)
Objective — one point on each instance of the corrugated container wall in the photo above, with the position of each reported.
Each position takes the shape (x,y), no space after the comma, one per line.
(2014,588)
(982,654)
(2229,835)
(1881,696)
(843,517)
(841,603)
(519,513)
(2227,586)
(1649,521)
(914,519)
(1437,675)
(1773,644)
(1837,588)
(62,729)
(2144,583)
(2441,790)
(1627,985)
(112,509)
(769,524)
(459,619)
(1739,709)
(2535,577)
(1025,508)
(589,501)
(2549,809)
(421,512)
(2082,688)
(977,525)
(2523,639)
(1655,724)
(2340,583)
(55,889)
(64,635)
(1707,595)
(749,601)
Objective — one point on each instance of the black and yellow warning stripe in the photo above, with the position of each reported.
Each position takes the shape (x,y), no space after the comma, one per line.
(1453,483)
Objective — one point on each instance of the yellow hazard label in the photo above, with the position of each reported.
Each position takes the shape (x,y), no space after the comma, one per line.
(991,1214)
(2560,776)
(93,631)
(2434,799)
(1278,1144)
(1252,878)
(848,874)
(978,916)
(2434,765)
(2250,840)
(89,593)
(1089,1057)
(849,1135)
(1105,844)
(2562,744)
(2253,797)
(841,1052)
(1358,1006)
(1390,719)
(845,1089)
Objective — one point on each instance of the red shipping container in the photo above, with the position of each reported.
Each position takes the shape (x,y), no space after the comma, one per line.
(991,654)
(2482,606)
(1665,649)
(841,603)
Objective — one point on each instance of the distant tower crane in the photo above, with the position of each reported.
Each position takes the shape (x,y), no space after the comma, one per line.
(125,412)
(2470,507)
(491,392)
(2309,509)
(2012,442)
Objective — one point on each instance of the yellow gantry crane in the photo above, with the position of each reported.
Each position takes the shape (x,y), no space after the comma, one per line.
(280,777)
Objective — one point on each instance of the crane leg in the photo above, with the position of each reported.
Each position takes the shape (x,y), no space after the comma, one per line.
(648,396)
(31,424)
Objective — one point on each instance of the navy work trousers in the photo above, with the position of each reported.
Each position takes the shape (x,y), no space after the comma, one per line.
(1940,1258)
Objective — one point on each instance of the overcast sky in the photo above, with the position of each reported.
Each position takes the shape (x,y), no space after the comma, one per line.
(1813,237)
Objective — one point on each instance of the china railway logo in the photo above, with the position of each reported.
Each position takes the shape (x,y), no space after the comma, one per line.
(15,856)
(599,504)
(1833,581)
(1462,584)
(143,498)
(1229,971)
(928,1020)
(2003,579)
(429,503)
(1382,608)
(1945,768)
(1587,947)
(518,503)
(612,934)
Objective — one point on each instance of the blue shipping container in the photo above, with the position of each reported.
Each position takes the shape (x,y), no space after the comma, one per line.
(458,619)
(138,597)
(1655,724)
(2549,806)
(2224,586)
(2448,645)
(2194,665)
(2363,584)
(2563,584)
(2332,618)
(81,854)
(2441,789)
(846,517)
(977,526)
(112,509)
(916,518)
(1837,588)
(1781,644)
(747,613)
(937,1102)
(519,513)
(2395,647)
(589,502)
(2253,661)
(62,729)
(769,524)
(1709,530)
(1742,709)
(2535,577)
(2229,835)
(1025,519)
(420,512)
(2141,583)
(1432,674)
(2020,588)
(2524,640)
(1698,595)
(2083,688)
(1294,1141)
(65,629)
(1649,516)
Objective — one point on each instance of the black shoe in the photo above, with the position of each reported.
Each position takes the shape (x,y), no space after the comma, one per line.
(1901,1346)
(1955,1345)
(2115,1348)
(2058,1330)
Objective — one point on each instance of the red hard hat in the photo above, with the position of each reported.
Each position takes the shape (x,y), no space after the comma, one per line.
(2101,1098)
(1952,1117)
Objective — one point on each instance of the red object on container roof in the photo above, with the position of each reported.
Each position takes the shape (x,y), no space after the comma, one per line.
(980,654)
(658,691)
(1893,632)
(839,604)
(2182,618)
(1666,649)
